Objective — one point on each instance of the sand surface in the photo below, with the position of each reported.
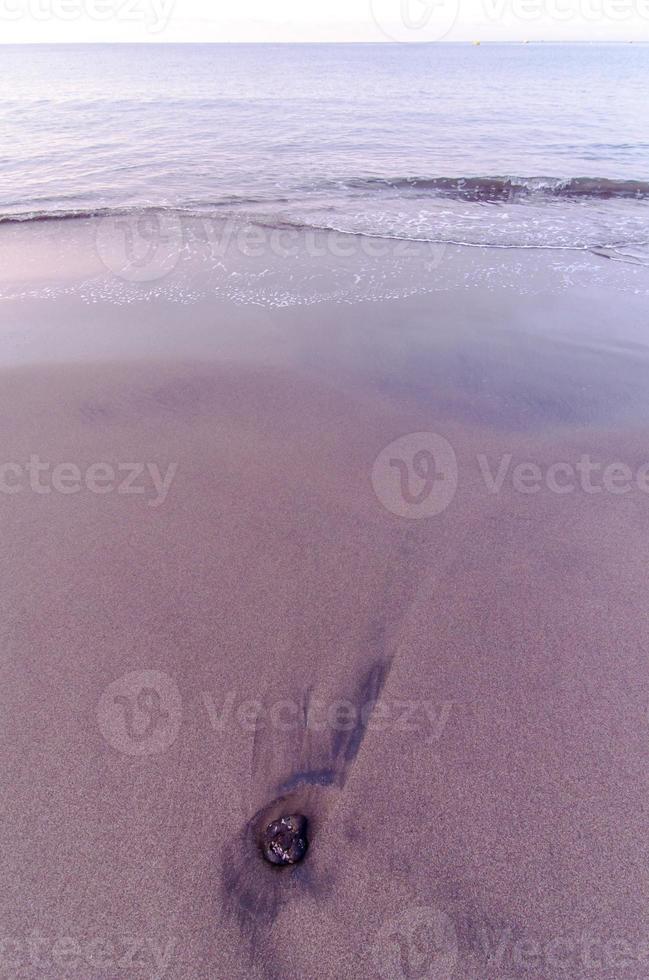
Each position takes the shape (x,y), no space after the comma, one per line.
(458,701)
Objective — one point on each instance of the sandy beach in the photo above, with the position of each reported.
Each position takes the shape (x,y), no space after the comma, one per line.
(237,570)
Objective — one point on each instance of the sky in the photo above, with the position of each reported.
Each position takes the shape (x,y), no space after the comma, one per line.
(35,21)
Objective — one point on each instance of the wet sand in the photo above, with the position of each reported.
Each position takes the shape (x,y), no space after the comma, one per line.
(457,702)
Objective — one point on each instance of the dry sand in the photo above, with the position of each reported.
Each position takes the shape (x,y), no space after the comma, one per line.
(488,818)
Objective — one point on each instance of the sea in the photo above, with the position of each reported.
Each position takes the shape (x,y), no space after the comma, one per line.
(504,145)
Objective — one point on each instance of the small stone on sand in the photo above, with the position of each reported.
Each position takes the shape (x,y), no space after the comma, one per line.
(284,841)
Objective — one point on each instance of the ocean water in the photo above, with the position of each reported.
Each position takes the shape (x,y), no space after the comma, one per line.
(504,145)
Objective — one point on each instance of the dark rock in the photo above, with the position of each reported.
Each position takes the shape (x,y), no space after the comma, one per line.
(284,841)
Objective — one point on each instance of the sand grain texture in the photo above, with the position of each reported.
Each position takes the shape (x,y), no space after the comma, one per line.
(496,823)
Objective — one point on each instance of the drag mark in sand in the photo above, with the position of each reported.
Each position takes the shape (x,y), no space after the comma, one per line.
(254,891)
